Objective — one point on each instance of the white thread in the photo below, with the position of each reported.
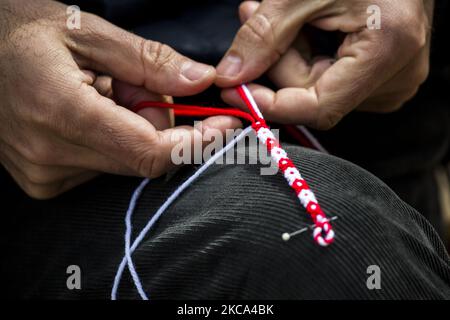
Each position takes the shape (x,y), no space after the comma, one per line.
(163,208)
(252,101)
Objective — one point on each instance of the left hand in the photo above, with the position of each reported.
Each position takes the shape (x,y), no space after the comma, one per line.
(375,70)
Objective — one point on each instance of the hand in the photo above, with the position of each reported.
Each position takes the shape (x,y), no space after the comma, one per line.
(59,125)
(374,70)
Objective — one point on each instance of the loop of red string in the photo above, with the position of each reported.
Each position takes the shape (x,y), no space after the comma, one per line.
(195,111)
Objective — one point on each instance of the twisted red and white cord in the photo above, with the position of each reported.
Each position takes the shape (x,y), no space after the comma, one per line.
(323,232)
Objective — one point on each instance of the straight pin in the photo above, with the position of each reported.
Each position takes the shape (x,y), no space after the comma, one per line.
(287,236)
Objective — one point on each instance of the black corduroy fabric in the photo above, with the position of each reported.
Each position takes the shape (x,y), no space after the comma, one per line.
(221,239)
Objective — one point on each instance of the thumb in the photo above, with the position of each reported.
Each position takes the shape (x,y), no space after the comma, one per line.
(266,34)
(103,47)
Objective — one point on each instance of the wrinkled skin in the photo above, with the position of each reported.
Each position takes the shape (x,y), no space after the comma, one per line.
(61,124)
(373,70)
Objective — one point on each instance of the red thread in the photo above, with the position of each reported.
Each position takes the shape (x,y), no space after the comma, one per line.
(194,111)
(323,233)
(244,97)
(299,185)
(285,163)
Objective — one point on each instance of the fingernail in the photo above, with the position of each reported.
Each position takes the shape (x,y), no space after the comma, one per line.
(195,71)
(230,66)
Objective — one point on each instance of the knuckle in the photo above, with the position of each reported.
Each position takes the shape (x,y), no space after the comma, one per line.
(91,32)
(258,29)
(43,175)
(410,28)
(40,192)
(49,116)
(42,157)
(38,154)
(40,118)
(73,123)
(156,56)
(146,165)
(37,175)
(419,38)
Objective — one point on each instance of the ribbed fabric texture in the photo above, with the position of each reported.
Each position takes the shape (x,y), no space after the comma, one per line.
(222,238)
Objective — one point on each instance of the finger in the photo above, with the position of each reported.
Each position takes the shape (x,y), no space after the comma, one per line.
(362,66)
(54,148)
(44,191)
(289,105)
(393,94)
(248,8)
(263,97)
(103,47)
(402,87)
(90,76)
(123,136)
(103,85)
(263,38)
(293,71)
(129,96)
(83,157)
(221,123)
(20,179)
(40,174)
(189,139)
(320,106)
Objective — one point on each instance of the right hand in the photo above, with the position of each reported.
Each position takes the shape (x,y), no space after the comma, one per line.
(59,126)
(372,70)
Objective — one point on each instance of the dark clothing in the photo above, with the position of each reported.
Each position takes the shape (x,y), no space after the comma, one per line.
(222,238)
